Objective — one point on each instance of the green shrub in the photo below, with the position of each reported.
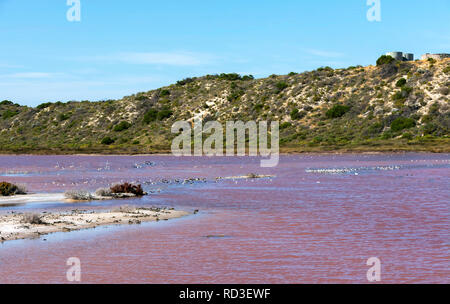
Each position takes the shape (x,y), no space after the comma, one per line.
(258,107)
(6,103)
(235,95)
(164,114)
(407,136)
(337,111)
(397,96)
(327,68)
(164,93)
(427,118)
(44,105)
(403,94)
(107,141)
(150,116)
(317,140)
(402,123)
(387,135)
(401,83)
(281,86)
(185,81)
(296,114)
(122,126)
(153,115)
(7,189)
(375,128)
(430,129)
(9,114)
(247,77)
(385,60)
(63,116)
(230,77)
(285,125)
(434,109)
(407,90)
(447,70)
(141,97)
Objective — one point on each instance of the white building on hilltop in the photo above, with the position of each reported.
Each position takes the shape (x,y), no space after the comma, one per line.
(435,56)
(401,56)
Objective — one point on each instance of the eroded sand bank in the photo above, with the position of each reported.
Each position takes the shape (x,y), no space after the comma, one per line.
(32,198)
(55,197)
(24,226)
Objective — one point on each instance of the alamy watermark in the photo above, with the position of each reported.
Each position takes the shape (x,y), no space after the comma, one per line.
(374,272)
(192,141)
(374,12)
(74,12)
(73,274)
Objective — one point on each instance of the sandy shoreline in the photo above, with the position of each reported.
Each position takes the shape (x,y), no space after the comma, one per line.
(32,198)
(55,197)
(21,226)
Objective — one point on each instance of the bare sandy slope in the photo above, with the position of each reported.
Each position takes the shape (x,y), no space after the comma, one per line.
(18,226)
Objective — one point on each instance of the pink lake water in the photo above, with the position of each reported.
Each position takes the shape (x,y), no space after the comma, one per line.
(317,221)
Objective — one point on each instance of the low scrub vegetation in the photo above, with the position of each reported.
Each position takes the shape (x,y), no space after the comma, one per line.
(337,111)
(107,141)
(164,114)
(44,105)
(103,192)
(296,114)
(6,103)
(402,123)
(125,209)
(323,110)
(230,77)
(401,83)
(385,60)
(78,195)
(64,116)
(127,188)
(8,189)
(185,81)
(9,114)
(150,116)
(122,126)
(281,86)
(154,115)
(32,218)
(164,93)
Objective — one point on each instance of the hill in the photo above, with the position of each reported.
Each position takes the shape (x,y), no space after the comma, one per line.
(396,106)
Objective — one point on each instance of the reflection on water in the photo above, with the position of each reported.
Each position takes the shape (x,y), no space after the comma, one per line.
(301,226)
(11,205)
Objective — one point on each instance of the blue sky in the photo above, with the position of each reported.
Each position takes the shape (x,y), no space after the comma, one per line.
(124,47)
